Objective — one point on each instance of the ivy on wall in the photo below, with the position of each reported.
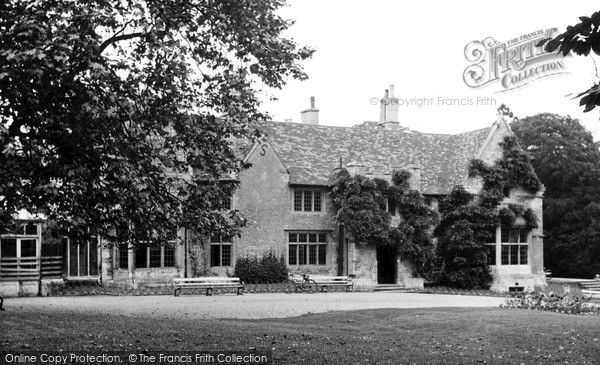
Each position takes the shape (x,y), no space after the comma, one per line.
(361,207)
(465,227)
(469,221)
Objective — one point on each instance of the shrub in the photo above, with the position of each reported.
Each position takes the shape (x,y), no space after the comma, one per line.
(537,301)
(269,269)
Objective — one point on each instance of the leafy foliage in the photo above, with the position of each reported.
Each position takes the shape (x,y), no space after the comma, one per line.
(361,207)
(513,170)
(508,215)
(468,223)
(107,106)
(567,160)
(463,231)
(580,38)
(269,269)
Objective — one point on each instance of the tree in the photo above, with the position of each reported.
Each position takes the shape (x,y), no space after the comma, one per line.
(107,106)
(581,38)
(567,161)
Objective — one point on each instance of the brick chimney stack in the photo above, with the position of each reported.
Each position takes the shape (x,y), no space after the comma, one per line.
(310,115)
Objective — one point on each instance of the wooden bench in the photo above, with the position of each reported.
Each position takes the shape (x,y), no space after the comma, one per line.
(208,283)
(326,281)
(590,285)
(592,294)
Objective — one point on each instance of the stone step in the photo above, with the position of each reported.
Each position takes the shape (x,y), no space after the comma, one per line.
(82,281)
(391,287)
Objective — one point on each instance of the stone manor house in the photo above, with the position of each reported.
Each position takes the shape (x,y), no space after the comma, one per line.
(284,197)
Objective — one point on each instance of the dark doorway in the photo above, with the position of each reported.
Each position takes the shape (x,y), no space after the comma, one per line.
(387,266)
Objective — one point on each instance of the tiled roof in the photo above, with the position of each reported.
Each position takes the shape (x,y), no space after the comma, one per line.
(312,152)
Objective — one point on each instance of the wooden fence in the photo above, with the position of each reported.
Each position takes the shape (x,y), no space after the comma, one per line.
(30,268)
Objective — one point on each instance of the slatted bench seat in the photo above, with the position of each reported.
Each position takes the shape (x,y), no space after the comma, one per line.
(593,294)
(591,285)
(324,282)
(208,283)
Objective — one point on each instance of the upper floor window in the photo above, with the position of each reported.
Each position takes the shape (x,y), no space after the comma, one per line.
(308,200)
(227,204)
(428,201)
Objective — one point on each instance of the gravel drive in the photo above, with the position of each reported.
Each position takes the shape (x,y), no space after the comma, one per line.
(249,306)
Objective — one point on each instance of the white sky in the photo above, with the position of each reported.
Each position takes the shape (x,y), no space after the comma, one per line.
(364,46)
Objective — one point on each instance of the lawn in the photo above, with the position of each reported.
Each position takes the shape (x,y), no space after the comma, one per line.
(394,336)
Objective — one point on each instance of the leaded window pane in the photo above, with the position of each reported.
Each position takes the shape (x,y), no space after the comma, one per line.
(169,258)
(307,200)
(523,251)
(298,200)
(317,201)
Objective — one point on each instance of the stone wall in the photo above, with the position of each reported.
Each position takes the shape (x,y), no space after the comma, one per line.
(530,275)
(364,262)
(265,199)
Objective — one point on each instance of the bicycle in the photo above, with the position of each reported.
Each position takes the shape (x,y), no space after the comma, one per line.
(304,283)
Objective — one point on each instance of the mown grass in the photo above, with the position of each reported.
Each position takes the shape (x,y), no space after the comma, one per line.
(394,336)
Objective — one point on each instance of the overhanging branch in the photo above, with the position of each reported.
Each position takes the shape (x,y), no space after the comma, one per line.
(119,38)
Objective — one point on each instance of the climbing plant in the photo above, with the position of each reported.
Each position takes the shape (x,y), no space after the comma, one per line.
(361,207)
(469,220)
(464,228)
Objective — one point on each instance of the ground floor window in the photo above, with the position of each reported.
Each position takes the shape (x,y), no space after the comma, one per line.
(122,256)
(307,248)
(515,246)
(18,247)
(146,255)
(220,250)
(19,251)
(514,254)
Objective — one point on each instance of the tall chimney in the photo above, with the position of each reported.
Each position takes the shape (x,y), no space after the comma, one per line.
(310,115)
(388,109)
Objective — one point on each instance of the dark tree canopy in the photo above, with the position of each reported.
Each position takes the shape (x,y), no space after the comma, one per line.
(581,39)
(567,161)
(107,106)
